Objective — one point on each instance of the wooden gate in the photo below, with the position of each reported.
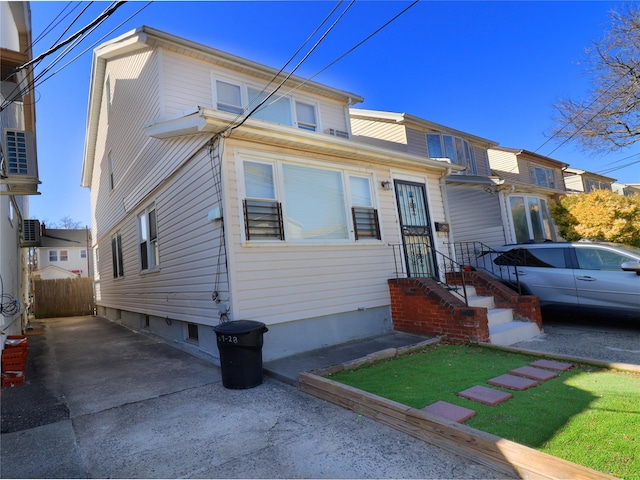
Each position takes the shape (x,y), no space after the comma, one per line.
(63,297)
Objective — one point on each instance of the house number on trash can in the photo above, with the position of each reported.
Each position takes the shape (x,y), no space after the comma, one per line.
(228,338)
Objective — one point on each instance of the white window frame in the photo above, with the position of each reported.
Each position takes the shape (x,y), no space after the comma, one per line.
(548,173)
(53,256)
(276,164)
(64,255)
(293,101)
(83,254)
(467,148)
(544,216)
(148,252)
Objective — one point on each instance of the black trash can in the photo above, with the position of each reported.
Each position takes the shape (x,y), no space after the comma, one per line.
(240,345)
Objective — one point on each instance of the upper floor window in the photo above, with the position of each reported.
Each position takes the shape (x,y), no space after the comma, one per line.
(64,255)
(591,184)
(304,203)
(229,97)
(148,235)
(542,176)
(53,255)
(282,109)
(83,254)
(110,171)
(457,149)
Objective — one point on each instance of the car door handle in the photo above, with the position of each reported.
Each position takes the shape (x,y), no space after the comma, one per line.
(586,279)
(520,273)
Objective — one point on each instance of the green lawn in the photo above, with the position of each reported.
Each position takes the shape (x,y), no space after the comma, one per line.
(587,415)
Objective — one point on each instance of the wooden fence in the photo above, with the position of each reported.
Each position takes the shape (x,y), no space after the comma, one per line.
(63,297)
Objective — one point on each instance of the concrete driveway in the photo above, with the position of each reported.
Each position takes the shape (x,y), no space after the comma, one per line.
(104,402)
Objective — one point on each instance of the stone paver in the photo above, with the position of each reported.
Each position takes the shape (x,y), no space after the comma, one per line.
(533,372)
(552,365)
(450,411)
(512,382)
(486,395)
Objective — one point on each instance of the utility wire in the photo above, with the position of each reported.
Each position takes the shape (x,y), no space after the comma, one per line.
(229,130)
(348,51)
(57,47)
(53,24)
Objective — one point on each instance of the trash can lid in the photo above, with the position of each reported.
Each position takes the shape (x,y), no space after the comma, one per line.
(239,326)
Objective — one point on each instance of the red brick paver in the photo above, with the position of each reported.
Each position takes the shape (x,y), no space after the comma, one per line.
(533,372)
(486,395)
(552,365)
(512,382)
(450,411)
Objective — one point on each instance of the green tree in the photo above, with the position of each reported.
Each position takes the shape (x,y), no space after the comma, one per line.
(599,215)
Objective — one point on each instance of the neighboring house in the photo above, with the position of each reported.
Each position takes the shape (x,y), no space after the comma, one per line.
(18,165)
(52,272)
(626,189)
(502,194)
(473,212)
(200,215)
(529,182)
(66,249)
(582,181)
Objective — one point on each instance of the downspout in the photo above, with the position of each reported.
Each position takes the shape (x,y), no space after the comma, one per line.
(445,202)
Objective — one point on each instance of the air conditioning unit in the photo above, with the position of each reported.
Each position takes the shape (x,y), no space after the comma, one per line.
(31,234)
(19,163)
(338,133)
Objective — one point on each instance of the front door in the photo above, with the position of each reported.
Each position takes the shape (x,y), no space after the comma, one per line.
(417,241)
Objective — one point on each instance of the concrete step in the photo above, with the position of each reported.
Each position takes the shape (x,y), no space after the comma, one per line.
(458,291)
(498,316)
(486,302)
(513,332)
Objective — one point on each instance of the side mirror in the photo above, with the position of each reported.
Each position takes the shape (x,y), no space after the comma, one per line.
(631,267)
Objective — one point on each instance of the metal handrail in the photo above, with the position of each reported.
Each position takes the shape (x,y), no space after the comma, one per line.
(480,257)
(432,264)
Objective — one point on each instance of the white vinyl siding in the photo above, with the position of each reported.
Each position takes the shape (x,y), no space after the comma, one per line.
(475,215)
(284,282)
(383,134)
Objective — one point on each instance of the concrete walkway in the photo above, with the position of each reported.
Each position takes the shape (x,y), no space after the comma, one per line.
(103,402)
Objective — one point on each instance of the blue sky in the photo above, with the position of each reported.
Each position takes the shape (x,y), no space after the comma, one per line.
(492,69)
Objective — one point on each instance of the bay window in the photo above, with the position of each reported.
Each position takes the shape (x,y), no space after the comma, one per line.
(287,201)
(530,219)
(456,149)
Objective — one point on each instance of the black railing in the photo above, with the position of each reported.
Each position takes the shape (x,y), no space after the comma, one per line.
(421,260)
(482,258)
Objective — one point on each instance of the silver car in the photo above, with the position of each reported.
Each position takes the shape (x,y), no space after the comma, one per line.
(579,277)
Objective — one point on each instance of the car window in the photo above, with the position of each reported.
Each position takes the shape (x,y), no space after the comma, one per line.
(545,257)
(600,259)
(538,257)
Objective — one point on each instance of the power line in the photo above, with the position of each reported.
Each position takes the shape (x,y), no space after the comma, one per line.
(293,70)
(70,39)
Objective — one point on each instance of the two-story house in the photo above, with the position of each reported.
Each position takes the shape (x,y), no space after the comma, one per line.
(63,253)
(529,181)
(501,195)
(18,165)
(583,181)
(222,189)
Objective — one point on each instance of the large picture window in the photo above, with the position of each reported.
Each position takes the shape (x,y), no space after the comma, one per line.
(286,201)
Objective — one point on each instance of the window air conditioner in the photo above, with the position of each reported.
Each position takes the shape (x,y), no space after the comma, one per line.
(338,133)
(20,165)
(31,233)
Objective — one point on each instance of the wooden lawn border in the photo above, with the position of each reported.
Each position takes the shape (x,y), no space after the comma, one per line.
(484,448)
